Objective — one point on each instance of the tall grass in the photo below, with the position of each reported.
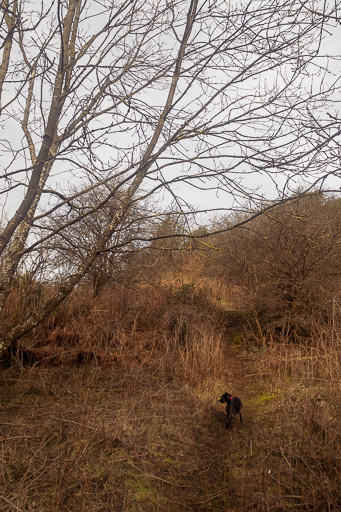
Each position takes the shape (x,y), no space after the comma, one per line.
(117,409)
(112,413)
(177,326)
(291,456)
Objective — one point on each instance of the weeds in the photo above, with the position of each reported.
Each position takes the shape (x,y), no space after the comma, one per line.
(95,439)
(117,409)
(291,459)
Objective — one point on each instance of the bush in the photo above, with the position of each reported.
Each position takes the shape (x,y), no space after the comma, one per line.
(288,262)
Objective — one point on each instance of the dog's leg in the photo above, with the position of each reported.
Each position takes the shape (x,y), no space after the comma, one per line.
(228,417)
(229,420)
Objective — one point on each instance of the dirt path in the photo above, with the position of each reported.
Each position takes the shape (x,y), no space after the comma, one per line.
(222,487)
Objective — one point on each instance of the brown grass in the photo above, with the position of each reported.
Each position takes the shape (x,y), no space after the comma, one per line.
(118,410)
(121,438)
(290,457)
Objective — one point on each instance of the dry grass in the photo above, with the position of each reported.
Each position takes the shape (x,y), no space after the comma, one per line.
(121,438)
(290,457)
(124,421)
(118,411)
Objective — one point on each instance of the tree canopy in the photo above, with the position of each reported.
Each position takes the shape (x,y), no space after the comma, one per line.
(124,101)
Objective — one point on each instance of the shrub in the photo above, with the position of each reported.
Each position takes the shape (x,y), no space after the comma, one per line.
(288,262)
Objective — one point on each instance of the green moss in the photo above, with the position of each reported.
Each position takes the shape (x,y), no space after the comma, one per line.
(237,340)
(171,461)
(143,491)
(261,400)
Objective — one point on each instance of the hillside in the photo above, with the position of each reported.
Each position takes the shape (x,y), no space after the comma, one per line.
(129,433)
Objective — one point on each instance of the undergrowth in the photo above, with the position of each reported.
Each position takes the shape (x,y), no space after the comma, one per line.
(290,455)
(112,406)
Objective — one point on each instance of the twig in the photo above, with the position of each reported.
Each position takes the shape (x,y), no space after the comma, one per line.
(285,458)
(16,437)
(212,497)
(75,422)
(182,505)
(159,478)
(11,504)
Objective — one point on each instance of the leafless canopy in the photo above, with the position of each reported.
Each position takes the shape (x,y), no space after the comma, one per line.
(141,97)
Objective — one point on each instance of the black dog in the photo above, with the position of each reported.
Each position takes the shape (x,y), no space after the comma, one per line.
(233,407)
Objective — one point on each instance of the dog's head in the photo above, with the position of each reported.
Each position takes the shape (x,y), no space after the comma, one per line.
(225,398)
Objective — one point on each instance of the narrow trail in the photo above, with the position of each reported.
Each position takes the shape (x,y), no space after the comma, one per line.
(241,373)
(241,441)
(223,478)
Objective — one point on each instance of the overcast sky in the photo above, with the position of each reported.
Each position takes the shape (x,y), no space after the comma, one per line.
(265,185)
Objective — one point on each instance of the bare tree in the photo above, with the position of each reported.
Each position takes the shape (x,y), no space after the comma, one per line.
(141,96)
(288,264)
(76,228)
